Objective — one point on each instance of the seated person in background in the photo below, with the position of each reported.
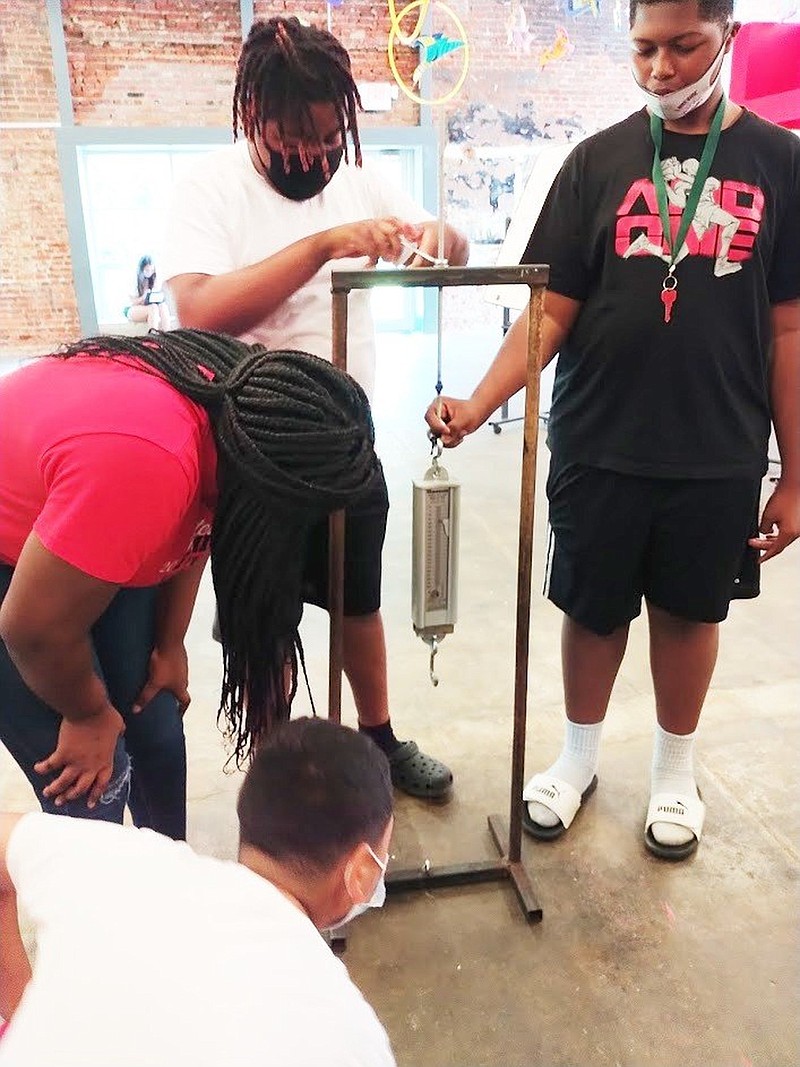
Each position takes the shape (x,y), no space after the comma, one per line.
(149,303)
(149,954)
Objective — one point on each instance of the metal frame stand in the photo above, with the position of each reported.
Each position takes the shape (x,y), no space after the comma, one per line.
(507,837)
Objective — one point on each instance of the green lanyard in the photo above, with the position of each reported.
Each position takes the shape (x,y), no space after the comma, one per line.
(669,290)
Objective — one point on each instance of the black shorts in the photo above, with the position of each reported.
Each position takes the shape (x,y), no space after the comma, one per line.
(365,530)
(680,543)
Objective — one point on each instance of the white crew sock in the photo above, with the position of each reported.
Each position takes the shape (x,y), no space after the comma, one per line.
(576,765)
(672,772)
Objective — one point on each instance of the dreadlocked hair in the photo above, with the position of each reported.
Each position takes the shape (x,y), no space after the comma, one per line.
(285,67)
(295,441)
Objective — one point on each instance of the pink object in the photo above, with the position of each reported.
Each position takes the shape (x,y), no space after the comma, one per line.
(765,74)
(3,1027)
(112,468)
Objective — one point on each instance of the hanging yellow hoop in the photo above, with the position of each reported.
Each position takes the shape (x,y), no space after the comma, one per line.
(395,33)
(407,38)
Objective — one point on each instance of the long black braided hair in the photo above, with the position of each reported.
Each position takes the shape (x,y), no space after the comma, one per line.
(283,68)
(295,441)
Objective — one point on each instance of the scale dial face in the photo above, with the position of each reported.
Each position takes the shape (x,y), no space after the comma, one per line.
(437,549)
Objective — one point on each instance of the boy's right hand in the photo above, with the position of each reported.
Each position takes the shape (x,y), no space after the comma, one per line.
(451,420)
(374,238)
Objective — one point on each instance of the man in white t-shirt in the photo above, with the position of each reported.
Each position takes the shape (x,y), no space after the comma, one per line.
(255,232)
(150,955)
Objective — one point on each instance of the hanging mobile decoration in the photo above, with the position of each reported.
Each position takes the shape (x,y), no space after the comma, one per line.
(397,36)
(518,37)
(433,46)
(582,7)
(561,47)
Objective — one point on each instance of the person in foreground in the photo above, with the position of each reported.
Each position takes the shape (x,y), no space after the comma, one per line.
(151,954)
(254,234)
(125,463)
(674,306)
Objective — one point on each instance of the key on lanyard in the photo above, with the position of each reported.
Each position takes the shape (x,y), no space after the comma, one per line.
(669,294)
(669,290)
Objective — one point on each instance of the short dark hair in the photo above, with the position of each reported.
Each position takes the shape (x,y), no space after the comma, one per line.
(283,68)
(314,790)
(714,10)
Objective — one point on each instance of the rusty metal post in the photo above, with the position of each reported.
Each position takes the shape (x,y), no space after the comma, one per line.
(524,568)
(336,541)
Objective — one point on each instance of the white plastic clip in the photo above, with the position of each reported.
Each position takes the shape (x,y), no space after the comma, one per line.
(410,249)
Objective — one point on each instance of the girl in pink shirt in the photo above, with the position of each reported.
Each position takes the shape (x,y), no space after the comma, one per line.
(124,463)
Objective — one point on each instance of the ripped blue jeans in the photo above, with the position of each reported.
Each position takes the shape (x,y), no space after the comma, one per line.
(150,759)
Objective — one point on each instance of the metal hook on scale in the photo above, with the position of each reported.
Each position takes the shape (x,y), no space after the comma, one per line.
(435,471)
(433,644)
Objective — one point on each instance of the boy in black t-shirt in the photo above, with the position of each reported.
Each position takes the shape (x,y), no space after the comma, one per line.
(674,305)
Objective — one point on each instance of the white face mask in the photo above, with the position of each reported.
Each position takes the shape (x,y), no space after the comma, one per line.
(682,102)
(375,901)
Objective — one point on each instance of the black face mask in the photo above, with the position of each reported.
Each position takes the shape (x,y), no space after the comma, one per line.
(301,184)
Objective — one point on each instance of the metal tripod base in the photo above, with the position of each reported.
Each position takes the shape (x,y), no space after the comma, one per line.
(405,879)
(398,881)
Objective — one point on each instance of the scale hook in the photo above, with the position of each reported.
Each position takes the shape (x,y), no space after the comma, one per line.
(434,649)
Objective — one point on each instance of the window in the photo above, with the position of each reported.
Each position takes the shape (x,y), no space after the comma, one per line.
(125,193)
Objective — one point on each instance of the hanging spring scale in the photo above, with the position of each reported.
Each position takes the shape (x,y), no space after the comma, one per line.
(434,473)
(435,555)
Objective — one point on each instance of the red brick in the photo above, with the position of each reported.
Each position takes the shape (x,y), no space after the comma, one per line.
(37,300)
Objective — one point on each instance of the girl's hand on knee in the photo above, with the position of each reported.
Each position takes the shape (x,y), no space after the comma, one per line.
(169,669)
(84,756)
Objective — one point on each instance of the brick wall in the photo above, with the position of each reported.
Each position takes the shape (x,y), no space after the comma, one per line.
(151,62)
(27,88)
(538,74)
(37,299)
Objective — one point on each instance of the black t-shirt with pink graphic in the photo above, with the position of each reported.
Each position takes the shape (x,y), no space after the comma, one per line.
(688,398)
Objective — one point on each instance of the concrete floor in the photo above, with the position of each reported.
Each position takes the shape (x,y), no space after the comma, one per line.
(637,963)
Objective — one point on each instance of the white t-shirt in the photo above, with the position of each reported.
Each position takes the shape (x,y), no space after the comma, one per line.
(152,956)
(225,216)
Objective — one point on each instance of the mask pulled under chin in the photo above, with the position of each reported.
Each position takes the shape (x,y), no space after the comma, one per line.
(299,184)
(684,101)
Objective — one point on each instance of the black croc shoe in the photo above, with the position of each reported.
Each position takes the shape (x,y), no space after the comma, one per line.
(417,774)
